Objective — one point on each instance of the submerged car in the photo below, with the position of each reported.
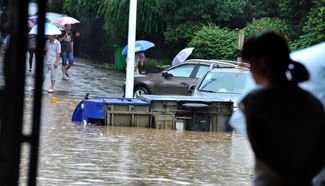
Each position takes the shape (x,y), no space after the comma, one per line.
(224,83)
(177,79)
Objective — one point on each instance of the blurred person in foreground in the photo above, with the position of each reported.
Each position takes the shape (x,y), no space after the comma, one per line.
(285,124)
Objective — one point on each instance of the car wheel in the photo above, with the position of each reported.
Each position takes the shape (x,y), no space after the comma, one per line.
(140,91)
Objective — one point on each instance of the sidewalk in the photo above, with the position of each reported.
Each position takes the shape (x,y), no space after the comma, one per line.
(85,76)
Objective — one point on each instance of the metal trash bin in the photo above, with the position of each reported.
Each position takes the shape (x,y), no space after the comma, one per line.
(127,112)
(200,114)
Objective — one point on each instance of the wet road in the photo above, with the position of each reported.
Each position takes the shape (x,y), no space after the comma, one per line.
(71,154)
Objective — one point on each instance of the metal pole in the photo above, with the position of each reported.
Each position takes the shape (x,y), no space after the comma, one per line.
(240,43)
(13,94)
(34,138)
(131,49)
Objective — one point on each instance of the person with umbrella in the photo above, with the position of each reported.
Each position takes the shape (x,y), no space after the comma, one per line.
(138,60)
(53,50)
(140,45)
(66,39)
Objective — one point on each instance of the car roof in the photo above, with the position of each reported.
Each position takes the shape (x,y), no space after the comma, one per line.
(219,62)
(234,70)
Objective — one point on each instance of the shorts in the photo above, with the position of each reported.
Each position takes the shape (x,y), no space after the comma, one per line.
(66,55)
(47,68)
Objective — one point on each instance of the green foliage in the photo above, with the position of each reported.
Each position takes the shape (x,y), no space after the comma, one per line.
(314,27)
(55,6)
(212,42)
(268,24)
(109,66)
(158,62)
(180,36)
(295,13)
(232,14)
(116,15)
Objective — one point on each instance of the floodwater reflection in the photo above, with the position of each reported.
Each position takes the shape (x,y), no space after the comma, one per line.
(71,154)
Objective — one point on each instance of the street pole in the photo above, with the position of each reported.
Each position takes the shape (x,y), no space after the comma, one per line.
(131,49)
(240,37)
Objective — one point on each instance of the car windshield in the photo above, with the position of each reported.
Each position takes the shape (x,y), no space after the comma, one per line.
(224,82)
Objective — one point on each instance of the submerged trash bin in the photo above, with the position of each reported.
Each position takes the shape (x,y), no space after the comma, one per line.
(119,59)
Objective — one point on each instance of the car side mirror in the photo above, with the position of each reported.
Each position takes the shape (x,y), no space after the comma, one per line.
(191,89)
(165,74)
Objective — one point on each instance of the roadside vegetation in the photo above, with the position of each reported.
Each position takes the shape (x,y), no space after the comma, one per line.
(208,25)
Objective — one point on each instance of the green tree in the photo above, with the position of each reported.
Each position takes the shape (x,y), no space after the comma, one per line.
(116,15)
(268,24)
(314,27)
(295,14)
(178,37)
(213,42)
(232,14)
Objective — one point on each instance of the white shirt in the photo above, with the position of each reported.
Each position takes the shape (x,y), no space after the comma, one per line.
(52,50)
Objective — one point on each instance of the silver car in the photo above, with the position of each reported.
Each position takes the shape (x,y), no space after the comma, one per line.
(224,83)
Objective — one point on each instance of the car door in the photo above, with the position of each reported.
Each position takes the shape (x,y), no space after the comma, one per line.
(176,82)
(197,72)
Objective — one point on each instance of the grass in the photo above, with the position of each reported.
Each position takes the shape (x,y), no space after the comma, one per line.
(159,62)
(109,66)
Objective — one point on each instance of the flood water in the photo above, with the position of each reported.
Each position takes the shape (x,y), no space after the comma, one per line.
(71,154)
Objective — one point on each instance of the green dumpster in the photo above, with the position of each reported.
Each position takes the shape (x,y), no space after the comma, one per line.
(119,59)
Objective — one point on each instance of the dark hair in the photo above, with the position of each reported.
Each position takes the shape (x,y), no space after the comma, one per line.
(274,49)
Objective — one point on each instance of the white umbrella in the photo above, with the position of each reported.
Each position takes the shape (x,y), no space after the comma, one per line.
(50,29)
(182,56)
(314,60)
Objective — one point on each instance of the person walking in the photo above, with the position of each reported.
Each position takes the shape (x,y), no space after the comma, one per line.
(53,50)
(31,49)
(66,39)
(285,124)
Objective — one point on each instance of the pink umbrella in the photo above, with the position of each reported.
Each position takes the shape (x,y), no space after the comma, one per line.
(66,20)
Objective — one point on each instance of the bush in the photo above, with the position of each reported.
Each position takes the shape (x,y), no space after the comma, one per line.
(268,24)
(212,42)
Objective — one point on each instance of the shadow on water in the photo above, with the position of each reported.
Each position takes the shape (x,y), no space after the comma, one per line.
(71,154)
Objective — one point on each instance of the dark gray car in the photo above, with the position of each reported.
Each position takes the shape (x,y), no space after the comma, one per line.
(176,79)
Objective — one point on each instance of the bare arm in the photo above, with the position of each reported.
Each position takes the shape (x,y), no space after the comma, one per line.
(57,60)
(31,35)
(62,38)
(141,63)
(72,45)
